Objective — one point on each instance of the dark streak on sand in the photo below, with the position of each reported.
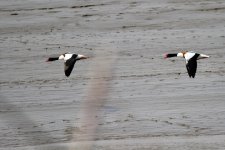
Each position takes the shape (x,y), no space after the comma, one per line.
(86,6)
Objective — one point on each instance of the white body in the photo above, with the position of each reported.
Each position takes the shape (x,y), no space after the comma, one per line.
(68,56)
(191,54)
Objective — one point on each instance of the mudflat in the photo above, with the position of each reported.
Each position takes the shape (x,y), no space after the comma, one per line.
(150,103)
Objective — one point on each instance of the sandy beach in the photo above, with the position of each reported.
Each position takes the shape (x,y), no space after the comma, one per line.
(147,102)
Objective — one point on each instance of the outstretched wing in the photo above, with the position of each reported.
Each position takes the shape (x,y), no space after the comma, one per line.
(68,66)
(191,67)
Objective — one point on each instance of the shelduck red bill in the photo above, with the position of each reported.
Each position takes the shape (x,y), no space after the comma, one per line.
(165,56)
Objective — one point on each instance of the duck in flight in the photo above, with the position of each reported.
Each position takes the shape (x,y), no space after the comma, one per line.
(69,61)
(191,60)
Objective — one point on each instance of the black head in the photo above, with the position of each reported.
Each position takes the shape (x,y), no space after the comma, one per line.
(52,59)
(170,55)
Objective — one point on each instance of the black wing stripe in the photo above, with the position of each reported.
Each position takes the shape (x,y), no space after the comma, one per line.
(68,66)
(191,67)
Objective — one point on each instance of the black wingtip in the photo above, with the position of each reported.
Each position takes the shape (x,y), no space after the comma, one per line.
(192,76)
(67,75)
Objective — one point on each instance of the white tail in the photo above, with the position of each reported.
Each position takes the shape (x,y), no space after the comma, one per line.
(202,56)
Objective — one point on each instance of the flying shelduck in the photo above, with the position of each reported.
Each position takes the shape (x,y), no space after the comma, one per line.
(69,61)
(191,60)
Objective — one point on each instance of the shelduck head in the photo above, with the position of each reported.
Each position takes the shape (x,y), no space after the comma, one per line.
(170,55)
(53,58)
(180,54)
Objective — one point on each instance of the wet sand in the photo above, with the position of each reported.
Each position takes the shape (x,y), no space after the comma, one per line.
(151,102)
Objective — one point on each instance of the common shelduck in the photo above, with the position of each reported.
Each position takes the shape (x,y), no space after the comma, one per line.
(69,61)
(191,60)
